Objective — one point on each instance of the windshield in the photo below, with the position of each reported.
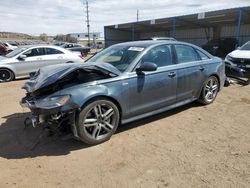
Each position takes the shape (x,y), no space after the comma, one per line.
(15,52)
(118,56)
(246,46)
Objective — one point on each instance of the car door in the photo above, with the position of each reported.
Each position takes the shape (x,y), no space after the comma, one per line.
(31,63)
(191,72)
(153,90)
(54,56)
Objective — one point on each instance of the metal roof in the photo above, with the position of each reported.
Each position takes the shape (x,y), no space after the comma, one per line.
(211,19)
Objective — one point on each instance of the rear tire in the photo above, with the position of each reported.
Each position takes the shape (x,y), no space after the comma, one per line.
(98,121)
(209,91)
(6,75)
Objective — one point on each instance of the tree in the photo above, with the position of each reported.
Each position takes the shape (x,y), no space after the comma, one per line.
(43,37)
(65,38)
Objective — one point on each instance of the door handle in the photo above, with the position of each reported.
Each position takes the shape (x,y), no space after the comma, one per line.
(39,58)
(201,68)
(60,57)
(172,74)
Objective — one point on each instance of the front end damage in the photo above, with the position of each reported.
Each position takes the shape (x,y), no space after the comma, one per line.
(54,115)
(238,68)
(50,106)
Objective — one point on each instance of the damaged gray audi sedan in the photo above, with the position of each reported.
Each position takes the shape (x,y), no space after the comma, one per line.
(120,84)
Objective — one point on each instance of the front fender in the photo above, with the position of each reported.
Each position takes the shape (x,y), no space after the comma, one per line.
(80,94)
(9,67)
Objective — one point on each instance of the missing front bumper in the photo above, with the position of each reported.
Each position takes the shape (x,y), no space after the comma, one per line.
(54,118)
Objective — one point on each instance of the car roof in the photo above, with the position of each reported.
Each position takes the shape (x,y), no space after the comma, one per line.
(39,45)
(148,43)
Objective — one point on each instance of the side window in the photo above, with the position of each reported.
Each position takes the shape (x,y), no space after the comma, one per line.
(186,54)
(52,51)
(34,52)
(202,55)
(160,55)
(76,45)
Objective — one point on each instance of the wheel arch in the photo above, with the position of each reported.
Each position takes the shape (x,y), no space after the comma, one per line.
(7,68)
(216,76)
(99,97)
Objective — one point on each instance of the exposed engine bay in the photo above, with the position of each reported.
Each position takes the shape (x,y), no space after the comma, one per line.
(51,108)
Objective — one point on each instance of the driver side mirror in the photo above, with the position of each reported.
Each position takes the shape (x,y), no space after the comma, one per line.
(22,57)
(146,67)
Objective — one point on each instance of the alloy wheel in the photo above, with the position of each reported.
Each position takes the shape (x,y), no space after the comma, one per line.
(99,121)
(5,76)
(211,89)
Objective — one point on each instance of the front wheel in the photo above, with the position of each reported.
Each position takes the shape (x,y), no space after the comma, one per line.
(98,121)
(6,75)
(209,90)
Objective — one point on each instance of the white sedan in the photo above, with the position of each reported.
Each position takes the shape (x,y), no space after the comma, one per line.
(25,60)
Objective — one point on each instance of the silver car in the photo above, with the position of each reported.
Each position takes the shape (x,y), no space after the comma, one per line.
(25,60)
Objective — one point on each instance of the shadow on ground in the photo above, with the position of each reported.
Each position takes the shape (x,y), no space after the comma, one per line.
(17,142)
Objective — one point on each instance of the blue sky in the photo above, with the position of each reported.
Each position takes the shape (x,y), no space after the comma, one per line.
(67,16)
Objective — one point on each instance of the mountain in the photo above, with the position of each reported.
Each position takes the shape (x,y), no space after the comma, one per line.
(12,35)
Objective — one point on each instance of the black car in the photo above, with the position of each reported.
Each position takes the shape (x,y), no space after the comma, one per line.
(77,47)
(220,47)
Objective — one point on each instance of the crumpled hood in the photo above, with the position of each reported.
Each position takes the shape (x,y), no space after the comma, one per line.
(50,74)
(244,54)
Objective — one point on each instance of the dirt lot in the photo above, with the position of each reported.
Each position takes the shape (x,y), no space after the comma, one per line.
(192,146)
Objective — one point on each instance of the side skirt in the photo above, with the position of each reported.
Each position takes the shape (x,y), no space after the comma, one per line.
(148,114)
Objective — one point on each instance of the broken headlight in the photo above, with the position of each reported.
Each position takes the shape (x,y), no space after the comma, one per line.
(54,101)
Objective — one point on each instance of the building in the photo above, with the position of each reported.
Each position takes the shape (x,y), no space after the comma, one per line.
(96,40)
(81,36)
(195,28)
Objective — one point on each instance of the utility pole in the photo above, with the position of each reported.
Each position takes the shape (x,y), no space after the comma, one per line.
(88,26)
(137,15)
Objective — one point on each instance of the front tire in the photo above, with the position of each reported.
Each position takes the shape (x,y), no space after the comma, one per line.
(209,91)
(98,121)
(6,75)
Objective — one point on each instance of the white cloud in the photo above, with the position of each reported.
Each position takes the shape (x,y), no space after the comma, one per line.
(64,16)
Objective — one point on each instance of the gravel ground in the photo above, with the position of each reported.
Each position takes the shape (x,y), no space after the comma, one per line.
(192,146)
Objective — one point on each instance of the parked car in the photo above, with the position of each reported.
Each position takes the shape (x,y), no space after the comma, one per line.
(25,60)
(10,46)
(121,84)
(58,43)
(220,47)
(3,49)
(77,47)
(238,63)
